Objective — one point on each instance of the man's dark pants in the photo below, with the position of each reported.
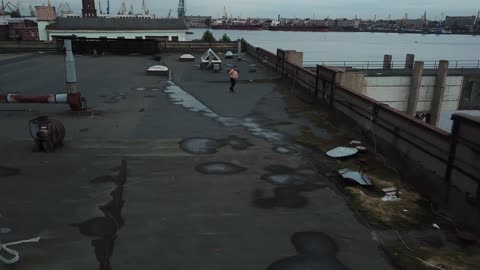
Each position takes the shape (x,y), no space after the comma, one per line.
(232,84)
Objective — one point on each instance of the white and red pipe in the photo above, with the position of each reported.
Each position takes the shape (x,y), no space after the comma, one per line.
(72,97)
(74,100)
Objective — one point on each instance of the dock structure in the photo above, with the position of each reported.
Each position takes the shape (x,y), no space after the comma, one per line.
(174,171)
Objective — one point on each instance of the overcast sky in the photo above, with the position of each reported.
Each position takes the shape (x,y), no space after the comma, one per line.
(294,8)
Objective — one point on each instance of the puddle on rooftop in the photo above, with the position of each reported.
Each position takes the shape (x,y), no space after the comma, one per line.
(8,171)
(116,98)
(285,179)
(314,244)
(284,149)
(219,168)
(285,176)
(202,146)
(5,230)
(284,197)
(317,251)
(290,186)
(181,97)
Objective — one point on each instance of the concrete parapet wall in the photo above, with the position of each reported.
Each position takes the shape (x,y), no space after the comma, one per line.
(395,90)
(180,46)
(24,46)
(463,168)
(443,166)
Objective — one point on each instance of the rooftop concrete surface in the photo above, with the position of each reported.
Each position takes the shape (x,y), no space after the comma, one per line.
(174,211)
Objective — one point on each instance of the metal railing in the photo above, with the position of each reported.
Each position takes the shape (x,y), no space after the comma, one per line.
(457,64)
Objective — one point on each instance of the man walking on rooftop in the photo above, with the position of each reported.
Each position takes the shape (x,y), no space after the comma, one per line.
(233,73)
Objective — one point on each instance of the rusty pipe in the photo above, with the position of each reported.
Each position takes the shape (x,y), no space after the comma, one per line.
(17,98)
(74,100)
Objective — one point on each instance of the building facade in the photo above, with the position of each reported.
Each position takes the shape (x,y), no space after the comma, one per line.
(88,8)
(45,16)
(199,21)
(460,23)
(347,24)
(118,28)
(25,30)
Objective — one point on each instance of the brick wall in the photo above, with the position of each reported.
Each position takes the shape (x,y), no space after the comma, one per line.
(45,13)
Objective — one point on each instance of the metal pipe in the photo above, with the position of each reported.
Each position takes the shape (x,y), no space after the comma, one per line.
(16,98)
(239,47)
(70,72)
(75,101)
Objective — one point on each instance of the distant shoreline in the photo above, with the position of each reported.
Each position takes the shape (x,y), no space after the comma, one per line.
(346,31)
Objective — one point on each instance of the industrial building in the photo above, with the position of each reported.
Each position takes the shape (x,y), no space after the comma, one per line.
(460,23)
(119,28)
(20,29)
(198,21)
(124,25)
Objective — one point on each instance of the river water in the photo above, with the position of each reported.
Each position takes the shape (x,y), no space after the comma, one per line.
(344,46)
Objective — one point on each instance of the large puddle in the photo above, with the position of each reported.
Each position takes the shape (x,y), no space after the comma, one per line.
(181,97)
(290,186)
(219,168)
(317,251)
(203,146)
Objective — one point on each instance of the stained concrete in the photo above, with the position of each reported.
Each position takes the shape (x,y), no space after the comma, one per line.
(171,216)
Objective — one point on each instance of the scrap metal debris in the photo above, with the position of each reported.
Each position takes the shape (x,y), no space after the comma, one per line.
(390,198)
(341,152)
(356,176)
(391,191)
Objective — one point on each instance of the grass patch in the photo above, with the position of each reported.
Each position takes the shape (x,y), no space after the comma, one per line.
(464,259)
(390,213)
(294,105)
(381,213)
(307,138)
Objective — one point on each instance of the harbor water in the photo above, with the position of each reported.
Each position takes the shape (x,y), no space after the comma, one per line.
(359,46)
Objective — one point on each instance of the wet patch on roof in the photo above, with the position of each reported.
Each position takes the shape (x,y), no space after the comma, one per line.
(284,197)
(317,251)
(314,244)
(284,149)
(281,175)
(116,98)
(219,168)
(8,171)
(181,97)
(105,228)
(200,146)
(290,184)
(285,179)
(203,146)
(237,143)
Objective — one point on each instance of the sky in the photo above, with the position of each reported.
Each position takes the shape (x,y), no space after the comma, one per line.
(292,8)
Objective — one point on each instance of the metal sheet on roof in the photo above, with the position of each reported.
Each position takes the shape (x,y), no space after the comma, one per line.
(358,177)
(341,152)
